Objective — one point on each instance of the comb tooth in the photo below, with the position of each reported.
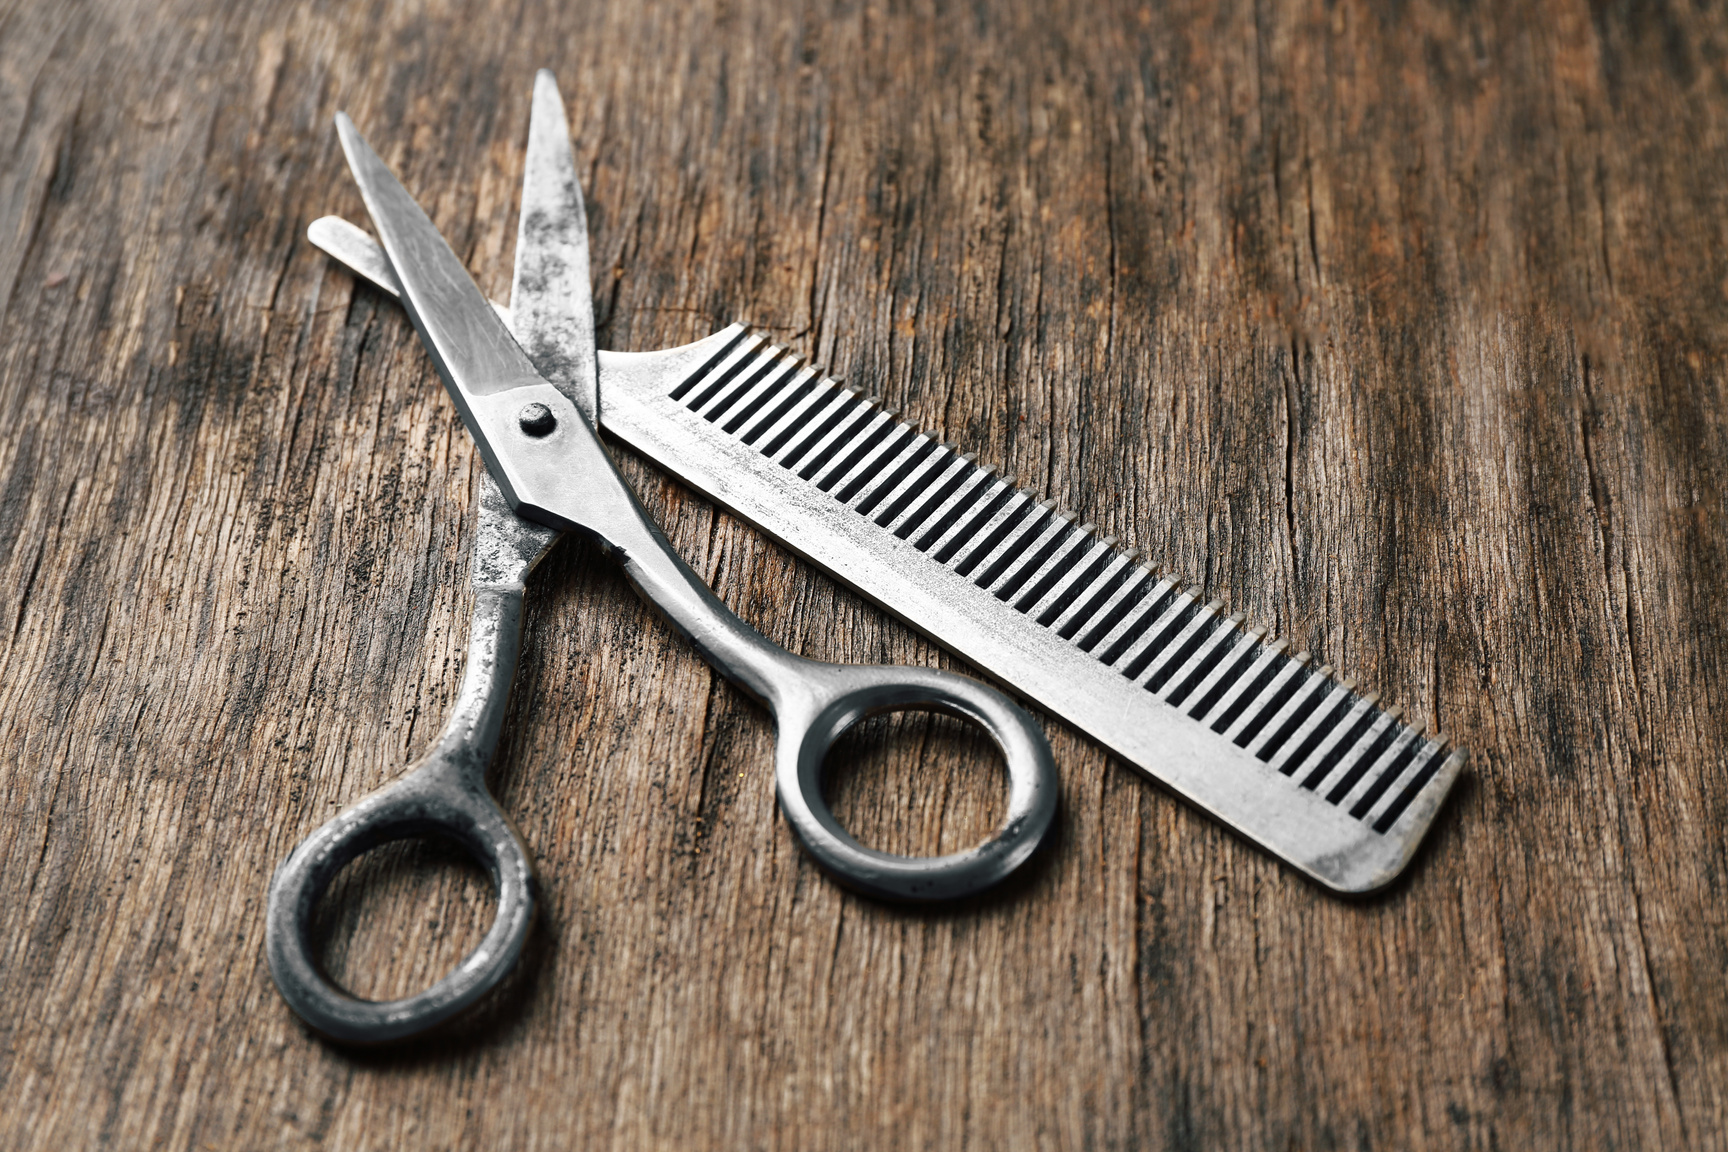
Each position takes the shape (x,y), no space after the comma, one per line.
(779,388)
(939,487)
(715,373)
(1352,753)
(1289,676)
(1177,614)
(1053,594)
(1101,623)
(756,427)
(735,379)
(1378,782)
(866,490)
(1067,611)
(1007,572)
(1172,613)
(765,377)
(1299,733)
(1009,519)
(1045,527)
(1175,643)
(1296,710)
(840,443)
(1220,712)
(1132,625)
(1364,770)
(1006,537)
(840,464)
(1312,755)
(901,476)
(1059,564)
(925,527)
(975,491)
(1196,638)
(1419,778)
(916,486)
(1051,559)
(821,402)
(1001,500)
(1227,671)
(833,427)
(856,447)
(1195,666)
(740,345)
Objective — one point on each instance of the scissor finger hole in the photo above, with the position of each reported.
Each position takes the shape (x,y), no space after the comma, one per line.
(856,694)
(916,783)
(399,917)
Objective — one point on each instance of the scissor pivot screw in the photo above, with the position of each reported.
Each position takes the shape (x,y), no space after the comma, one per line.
(537,420)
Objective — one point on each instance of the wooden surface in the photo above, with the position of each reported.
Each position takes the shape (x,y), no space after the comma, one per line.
(1400,327)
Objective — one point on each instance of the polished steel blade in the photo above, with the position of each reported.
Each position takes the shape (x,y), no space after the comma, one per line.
(492,381)
(475,353)
(551,303)
(350,244)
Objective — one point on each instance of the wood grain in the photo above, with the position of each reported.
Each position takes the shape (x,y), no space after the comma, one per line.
(1403,328)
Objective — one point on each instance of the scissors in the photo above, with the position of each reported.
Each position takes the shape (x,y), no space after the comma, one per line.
(529,395)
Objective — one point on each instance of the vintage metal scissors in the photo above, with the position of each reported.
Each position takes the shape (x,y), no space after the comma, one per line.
(529,395)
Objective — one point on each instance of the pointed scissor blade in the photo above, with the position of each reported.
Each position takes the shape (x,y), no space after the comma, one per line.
(474,352)
(551,305)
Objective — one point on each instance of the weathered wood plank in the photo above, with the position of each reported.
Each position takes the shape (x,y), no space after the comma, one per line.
(1401,329)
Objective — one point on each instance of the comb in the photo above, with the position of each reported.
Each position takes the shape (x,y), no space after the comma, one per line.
(1306,765)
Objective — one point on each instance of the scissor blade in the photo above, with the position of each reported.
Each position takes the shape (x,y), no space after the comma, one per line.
(347,243)
(360,254)
(474,352)
(552,309)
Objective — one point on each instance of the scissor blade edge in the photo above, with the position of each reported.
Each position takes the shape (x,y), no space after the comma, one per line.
(475,353)
(550,296)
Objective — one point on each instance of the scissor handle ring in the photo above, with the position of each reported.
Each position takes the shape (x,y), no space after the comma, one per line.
(435,800)
(847,694)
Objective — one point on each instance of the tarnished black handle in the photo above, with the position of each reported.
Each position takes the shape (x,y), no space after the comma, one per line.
(438,799)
